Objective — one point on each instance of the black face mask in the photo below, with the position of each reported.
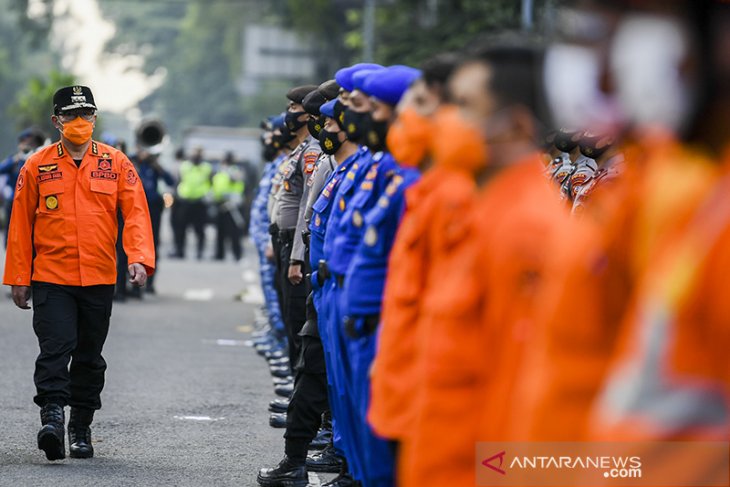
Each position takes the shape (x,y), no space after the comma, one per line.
(566,141)
(375,137)
(594,146)
(268,153)
(339,110)
(315,125)
(279,141)
(357,125)
(292,122)
(329,141)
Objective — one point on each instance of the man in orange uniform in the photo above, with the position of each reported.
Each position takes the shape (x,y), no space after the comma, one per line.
(600,263)
(394,373)
(62,246)
(493,258)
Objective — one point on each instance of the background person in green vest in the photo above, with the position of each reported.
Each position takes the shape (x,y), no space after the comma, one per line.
(194,186)
(228,191)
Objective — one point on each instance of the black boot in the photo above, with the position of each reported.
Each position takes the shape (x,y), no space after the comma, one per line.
(287,474)
(79,433)
(323,438)
(51,435)
(326,461)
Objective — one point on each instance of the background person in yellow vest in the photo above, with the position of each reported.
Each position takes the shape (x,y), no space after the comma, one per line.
(194,186)
(228,189)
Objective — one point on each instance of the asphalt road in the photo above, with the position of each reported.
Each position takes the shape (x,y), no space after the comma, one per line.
(185,402)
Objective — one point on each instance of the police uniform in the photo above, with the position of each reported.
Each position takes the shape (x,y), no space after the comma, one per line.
(193,187)
(370,223)
(259,230)
(289,199)
(585,170)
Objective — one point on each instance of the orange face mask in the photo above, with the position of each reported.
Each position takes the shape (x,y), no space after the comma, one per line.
(456,143)
(409,137)
(78,131)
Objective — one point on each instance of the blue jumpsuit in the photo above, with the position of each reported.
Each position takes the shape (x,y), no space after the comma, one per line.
(353,202)
(259,230)
(321,211)
(362,297)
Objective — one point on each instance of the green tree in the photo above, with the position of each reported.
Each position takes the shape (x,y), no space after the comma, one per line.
(24,53)
(34,103)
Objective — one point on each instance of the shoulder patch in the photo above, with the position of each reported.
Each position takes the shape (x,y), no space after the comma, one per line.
(59,149)
(372,173)
(131,177)
(21,180)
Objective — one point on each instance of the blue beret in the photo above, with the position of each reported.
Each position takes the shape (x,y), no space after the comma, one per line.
(277,122)
(328,109)
(388,85)
(344,75)
(358,79)
(29,132)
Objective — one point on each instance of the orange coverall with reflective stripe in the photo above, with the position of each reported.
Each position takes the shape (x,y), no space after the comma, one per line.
(68,215)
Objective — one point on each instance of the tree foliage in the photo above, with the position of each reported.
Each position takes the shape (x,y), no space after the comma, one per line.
(34,102)
(24,54)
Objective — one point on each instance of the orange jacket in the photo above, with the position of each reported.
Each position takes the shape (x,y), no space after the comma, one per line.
(482,293)
(68,215)
(395,371)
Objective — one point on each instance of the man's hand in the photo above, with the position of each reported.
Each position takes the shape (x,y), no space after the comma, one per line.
(269,252)
(21,295)
(138,275)
(295,273)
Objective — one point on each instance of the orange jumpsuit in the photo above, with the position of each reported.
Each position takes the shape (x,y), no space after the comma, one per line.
(491,257)
(68,215)
(394,375)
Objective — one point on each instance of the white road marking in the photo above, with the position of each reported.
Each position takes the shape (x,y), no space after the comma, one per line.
(225,342)
(198,418)
(253,295)
(198,295)
(249,276)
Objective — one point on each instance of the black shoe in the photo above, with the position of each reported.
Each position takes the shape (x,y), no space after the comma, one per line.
(286,474)
(150,289)
(280,372)
(275,354)
(320,442)
(277,420)
(51,436)
(325,461)
(279,362)
(279,405)
(284,390)
(342,480)
(79,433)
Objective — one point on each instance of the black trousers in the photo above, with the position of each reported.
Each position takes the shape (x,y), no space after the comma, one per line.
(156,206)
(295,300)
(71,323)
(193,213)
(309,399)
(227,231)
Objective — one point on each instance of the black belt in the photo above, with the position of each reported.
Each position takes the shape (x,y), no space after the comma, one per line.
(323,271)
(287,235)
(370,326)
